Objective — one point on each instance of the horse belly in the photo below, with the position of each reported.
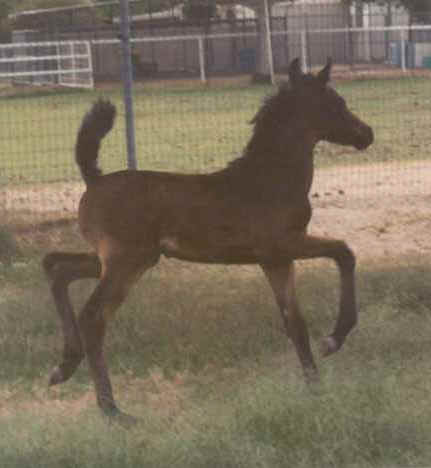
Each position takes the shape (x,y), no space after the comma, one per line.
(227,236)
(209,248)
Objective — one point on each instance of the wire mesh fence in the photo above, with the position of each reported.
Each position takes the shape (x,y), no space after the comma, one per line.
(197,85)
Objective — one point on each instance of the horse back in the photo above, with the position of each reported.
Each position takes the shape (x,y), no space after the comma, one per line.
(203,217)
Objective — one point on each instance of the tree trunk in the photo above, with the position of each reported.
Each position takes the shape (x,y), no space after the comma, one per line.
(262,73)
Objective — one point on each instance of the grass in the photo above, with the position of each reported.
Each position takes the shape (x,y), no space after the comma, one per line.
(8,247)
(196,128)
(199,354)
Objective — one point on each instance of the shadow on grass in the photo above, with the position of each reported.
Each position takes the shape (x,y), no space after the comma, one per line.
(200,355)
(190,317)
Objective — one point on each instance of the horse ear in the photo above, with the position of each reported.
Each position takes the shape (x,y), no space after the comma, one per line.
(294,71)
(325,74)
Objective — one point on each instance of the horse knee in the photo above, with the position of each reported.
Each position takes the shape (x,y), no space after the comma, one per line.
(345,257)
(49,263)
(54,262)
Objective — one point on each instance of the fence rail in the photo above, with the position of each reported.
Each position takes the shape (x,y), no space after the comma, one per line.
(301,40)
(68,62)
(301,35)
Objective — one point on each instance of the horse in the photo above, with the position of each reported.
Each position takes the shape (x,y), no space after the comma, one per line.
(253,211)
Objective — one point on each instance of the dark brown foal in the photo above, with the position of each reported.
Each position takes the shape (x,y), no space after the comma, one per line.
(254,211)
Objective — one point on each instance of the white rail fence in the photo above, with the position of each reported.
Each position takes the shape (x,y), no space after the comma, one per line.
(302,43)
(64,63)
(70,63)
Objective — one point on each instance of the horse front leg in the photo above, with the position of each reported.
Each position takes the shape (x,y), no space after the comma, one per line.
(305,247)
(282,281)
(64,268)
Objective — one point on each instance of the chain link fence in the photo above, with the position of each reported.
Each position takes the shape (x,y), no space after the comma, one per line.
(198,82)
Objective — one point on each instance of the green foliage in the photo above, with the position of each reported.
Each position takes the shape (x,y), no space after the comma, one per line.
(5,8)
(415,7)
(419,9)
(199,10)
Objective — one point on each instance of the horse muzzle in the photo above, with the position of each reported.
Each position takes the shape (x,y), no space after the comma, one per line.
(364,137)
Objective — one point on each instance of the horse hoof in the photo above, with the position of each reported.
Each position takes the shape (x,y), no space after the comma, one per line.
(312,377)
(124,420)
(329,346)
(127,421)
(57,377)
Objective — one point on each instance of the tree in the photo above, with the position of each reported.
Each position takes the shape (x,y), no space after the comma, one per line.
(206,8)
(5,10)
(263,47)
(200,11)
(262,54)
(419,10)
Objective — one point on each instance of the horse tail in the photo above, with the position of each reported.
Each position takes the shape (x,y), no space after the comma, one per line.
(95,125)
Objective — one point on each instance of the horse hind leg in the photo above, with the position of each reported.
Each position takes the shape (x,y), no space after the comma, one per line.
(64,268)
(282,281)
(117,278)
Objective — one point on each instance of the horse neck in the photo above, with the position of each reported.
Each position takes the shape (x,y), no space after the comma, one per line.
(277,163)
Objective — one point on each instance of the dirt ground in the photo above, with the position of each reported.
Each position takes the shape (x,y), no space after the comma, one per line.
(383,211)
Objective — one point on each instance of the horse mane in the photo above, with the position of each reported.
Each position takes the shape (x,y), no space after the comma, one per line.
(270,106)
(276,114)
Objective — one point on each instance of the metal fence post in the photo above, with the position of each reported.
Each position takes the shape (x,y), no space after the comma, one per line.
(128,83)
(403,50)
(269,41)
(201,59)
(304,50)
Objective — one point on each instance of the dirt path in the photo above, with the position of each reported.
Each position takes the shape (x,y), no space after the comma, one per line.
(382,210)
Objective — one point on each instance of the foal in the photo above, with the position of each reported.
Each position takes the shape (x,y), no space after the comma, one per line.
(254,211)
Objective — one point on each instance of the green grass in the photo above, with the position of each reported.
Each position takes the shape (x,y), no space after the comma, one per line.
(197,129)
(199,354)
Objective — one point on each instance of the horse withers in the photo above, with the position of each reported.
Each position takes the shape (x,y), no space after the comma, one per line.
(254,211)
